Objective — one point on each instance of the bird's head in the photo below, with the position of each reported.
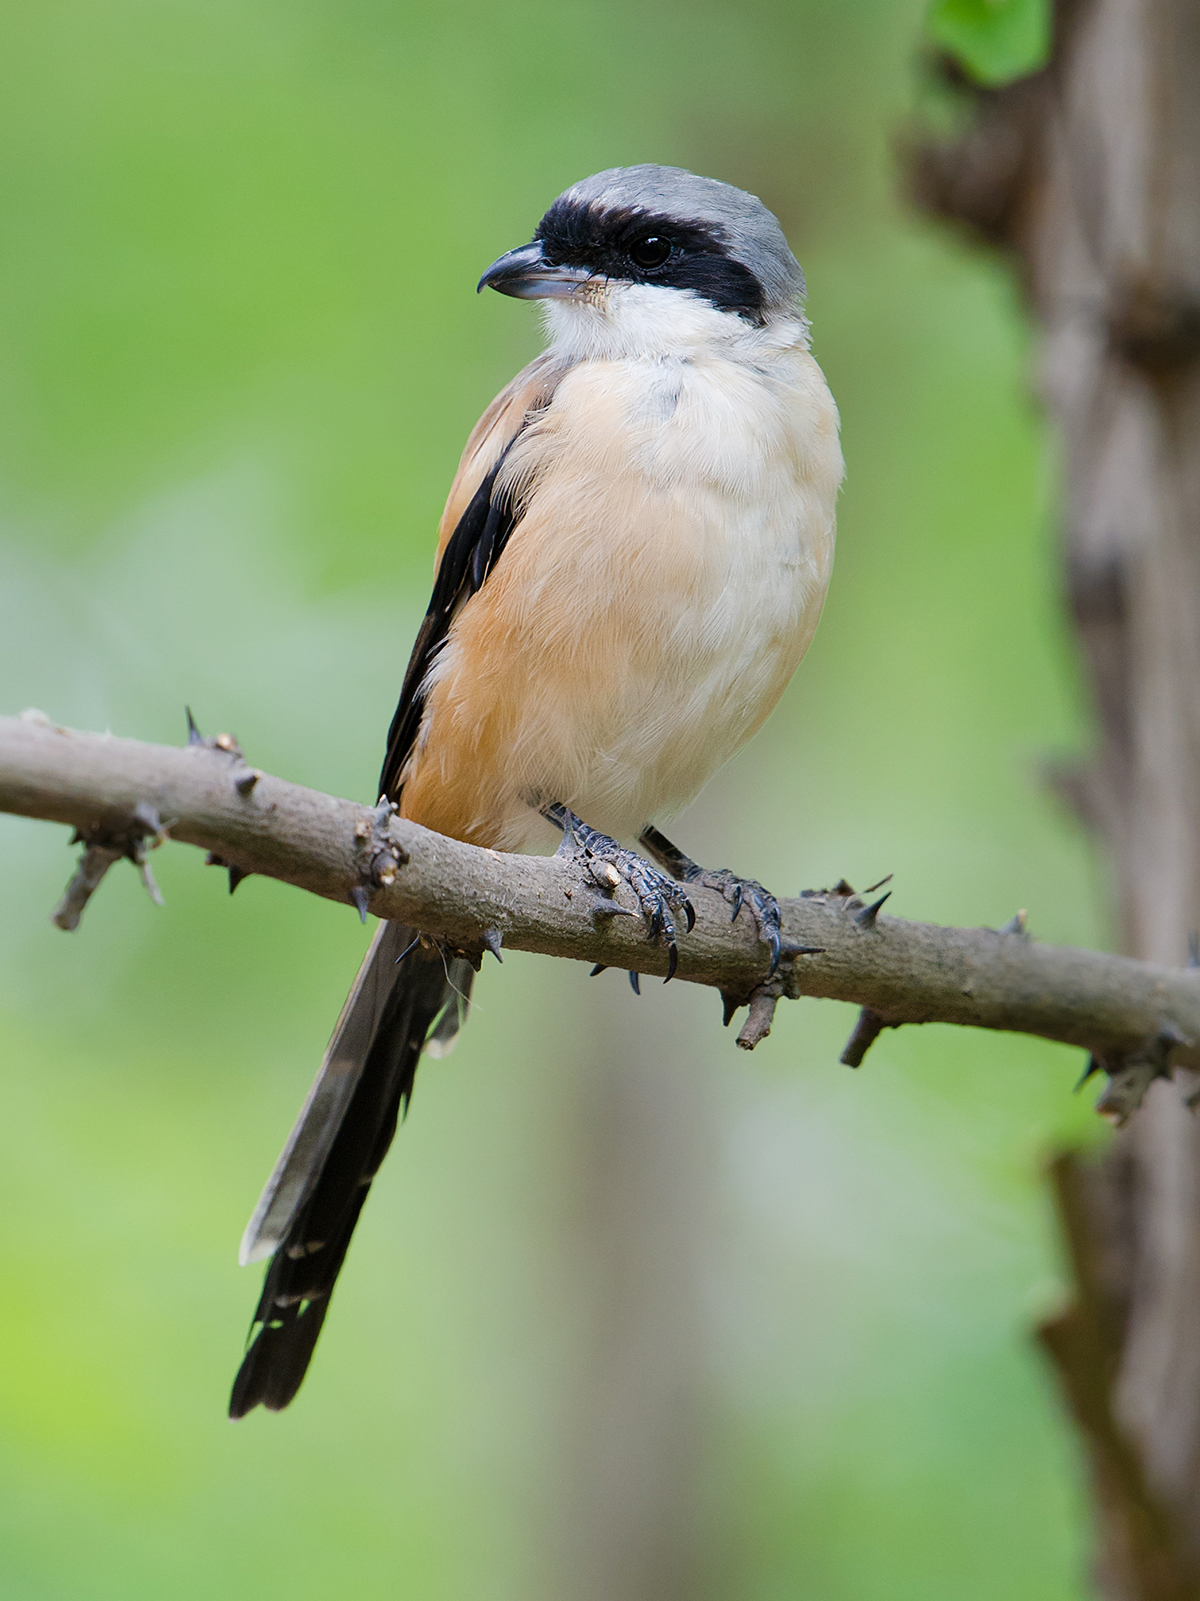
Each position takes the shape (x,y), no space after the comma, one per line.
(644,242)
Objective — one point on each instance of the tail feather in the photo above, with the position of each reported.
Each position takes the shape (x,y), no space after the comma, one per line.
(311,1203)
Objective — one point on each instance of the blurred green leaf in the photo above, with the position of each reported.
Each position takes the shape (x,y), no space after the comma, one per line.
(995,40)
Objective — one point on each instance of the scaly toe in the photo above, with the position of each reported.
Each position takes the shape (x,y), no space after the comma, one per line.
(762,905)
(659,897)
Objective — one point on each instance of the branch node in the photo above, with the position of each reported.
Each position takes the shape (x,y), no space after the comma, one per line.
(381,855)
(103,846)
(1131,1075)
(604,874)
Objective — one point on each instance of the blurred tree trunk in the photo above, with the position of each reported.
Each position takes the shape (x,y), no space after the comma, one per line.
(630,1509)
(1088,175)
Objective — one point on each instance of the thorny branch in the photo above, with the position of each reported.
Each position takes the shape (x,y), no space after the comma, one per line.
(1138,1021)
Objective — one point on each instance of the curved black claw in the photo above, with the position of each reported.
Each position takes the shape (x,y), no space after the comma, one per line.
(661,899)
(762,905)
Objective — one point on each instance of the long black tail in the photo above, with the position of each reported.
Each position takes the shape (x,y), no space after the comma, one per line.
(312,1200)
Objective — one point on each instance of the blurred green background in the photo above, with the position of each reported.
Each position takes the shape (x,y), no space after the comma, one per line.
(630,1313)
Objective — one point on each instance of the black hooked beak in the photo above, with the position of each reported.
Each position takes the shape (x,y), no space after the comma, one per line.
(527,274)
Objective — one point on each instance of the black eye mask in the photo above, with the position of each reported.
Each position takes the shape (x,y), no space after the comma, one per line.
(639,247)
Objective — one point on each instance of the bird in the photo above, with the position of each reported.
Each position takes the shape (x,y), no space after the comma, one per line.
(631,563)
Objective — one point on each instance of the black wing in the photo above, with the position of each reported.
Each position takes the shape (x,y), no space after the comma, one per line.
(471,552)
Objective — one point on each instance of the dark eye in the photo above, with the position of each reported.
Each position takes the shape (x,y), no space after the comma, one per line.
(651,251)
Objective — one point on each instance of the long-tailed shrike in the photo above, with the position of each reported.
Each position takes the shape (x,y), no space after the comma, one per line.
(630,566)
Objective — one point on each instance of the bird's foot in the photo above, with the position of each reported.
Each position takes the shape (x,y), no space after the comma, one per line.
(738,892)
(660,898)
(759,902)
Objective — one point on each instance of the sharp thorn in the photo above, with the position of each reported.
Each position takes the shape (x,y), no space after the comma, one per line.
(610,909)
(867,1029)
(1016,923)
(866,918)
(236,875)
(493,939)
(152,888)
(871,888)
(597,970)
(634,983)
(802,950)
(147,816)
(360,897)
(731,1004)
(195,737)
(245,781)
(1093,1067)
(842,887)
(213,860)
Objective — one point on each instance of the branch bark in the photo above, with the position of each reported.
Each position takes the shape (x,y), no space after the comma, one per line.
(1139,1020)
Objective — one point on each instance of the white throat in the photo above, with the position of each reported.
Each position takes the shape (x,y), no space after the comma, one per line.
(610,321)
